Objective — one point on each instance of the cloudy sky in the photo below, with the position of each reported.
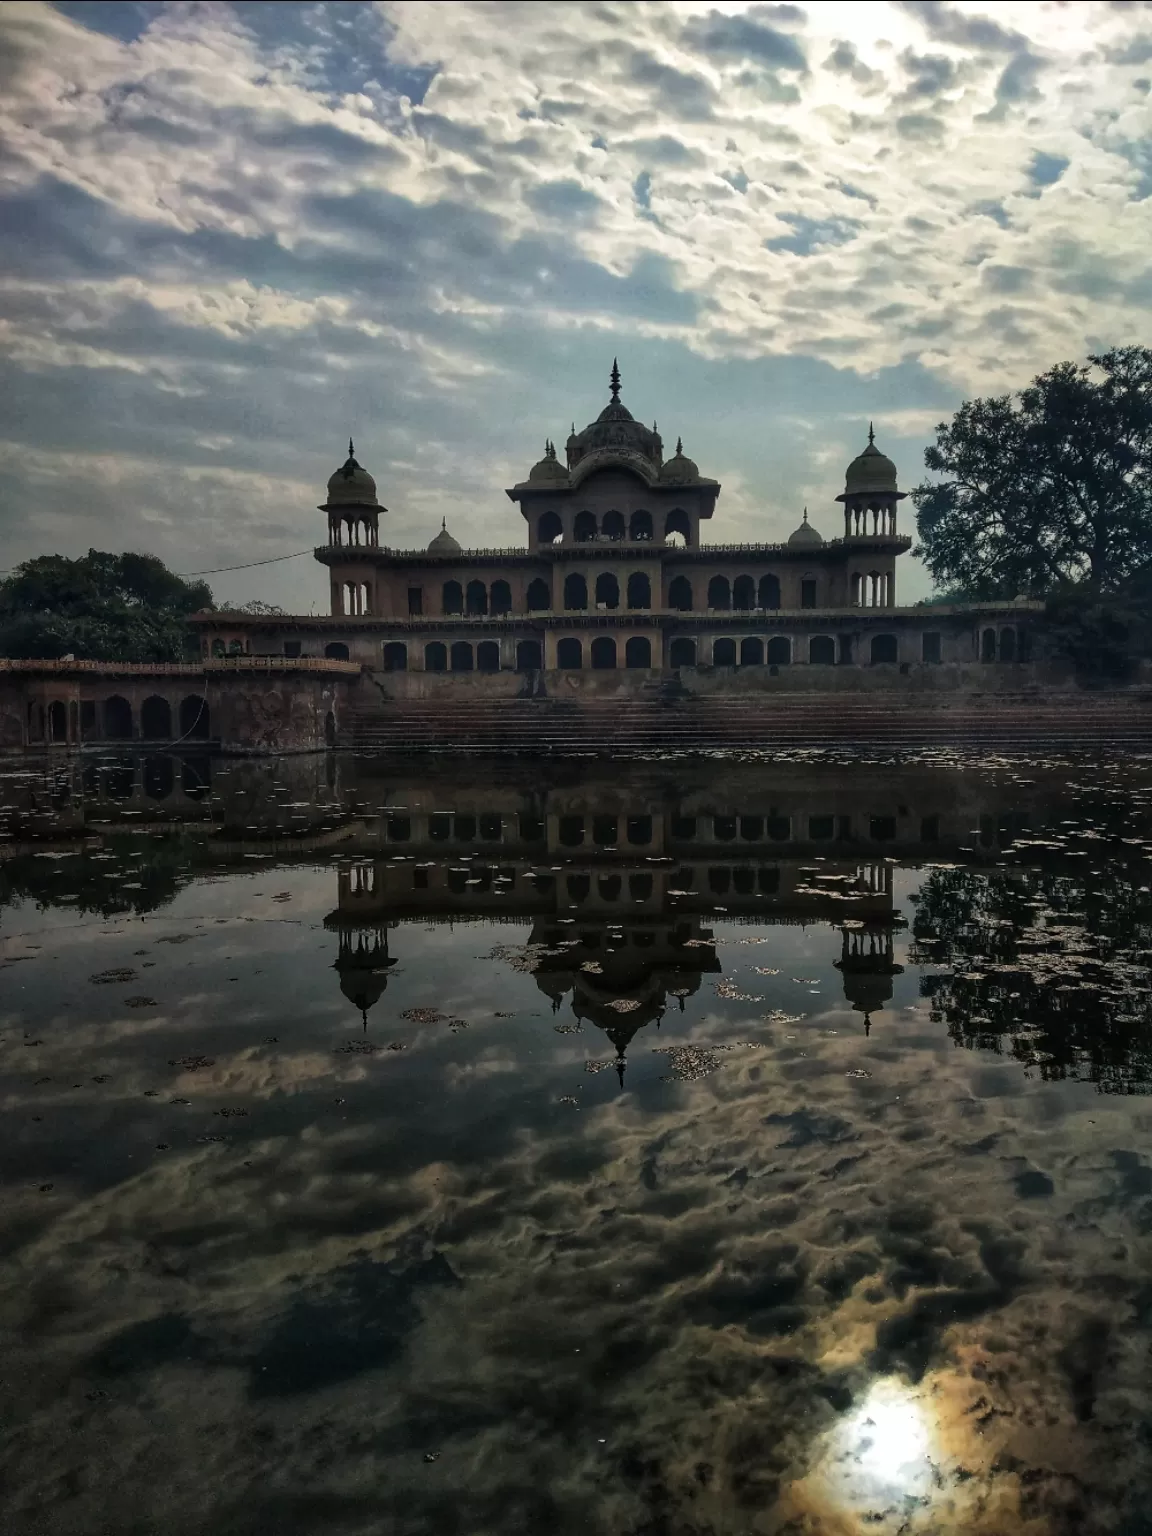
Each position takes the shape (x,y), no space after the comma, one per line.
(234,233)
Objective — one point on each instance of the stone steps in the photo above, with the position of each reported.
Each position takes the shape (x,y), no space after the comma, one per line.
(605,727)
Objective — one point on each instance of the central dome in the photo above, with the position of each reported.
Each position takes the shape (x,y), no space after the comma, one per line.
(352,485)
(616,431)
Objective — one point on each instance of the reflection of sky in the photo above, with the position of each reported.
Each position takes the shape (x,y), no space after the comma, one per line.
(776,1290)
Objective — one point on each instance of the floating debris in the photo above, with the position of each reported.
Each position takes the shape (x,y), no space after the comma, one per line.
(858,1072)
(731,991)
(193,1063)
(140,1002)
(423,1015)
(623,1004)
(118,974)
(356,1048)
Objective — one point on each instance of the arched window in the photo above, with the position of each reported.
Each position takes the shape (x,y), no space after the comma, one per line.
(612,525)
(395,656)
(884,648)
(549,529)
(336,650)
(584,528)
(156,719)
(117,719)
(639,832)
(743,593)
(159,777)
(539,595)
(639,590)
(1007,645)
(575,592)
(453,597)
(235,648)
(769,593)
(528,656)
(680,594)
(822,650)
(640,526)
(678,522)
(58,720)
(435,657)
(569,654)
(194,718)
(603,652)
(461,656)
(988,645)
(682,652)
(488,656)
(607,590)
(723,653)
(477,597)
(638,652)
(719,593)
(608,887)
(218,648)
(501,598)
(779,651)
(751,652)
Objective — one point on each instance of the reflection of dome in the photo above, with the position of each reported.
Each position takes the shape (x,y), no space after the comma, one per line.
(870,471)
(363,964)
(616,432)
(549,467)
(680,468)
(443,543)
(867,966)
(805,537)
(351,485)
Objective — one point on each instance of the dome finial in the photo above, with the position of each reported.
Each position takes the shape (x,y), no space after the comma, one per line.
(805,514)
(614,380)
(351,450)
(680,447)
(443,525)
(871,435)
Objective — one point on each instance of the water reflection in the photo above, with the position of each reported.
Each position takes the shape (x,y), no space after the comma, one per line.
(524,1147)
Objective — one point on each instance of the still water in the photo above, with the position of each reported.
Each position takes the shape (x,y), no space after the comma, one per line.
(627,1150)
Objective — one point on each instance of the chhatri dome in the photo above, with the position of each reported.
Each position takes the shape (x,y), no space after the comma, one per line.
(443,543)
(352,485)
(680,469)
(870,470)
(616,433)
(805,537)
(549,467)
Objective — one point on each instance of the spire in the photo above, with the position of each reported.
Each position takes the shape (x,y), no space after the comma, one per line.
(620,1065)
(805,514)
(443,525)
(871,435)
(614,380)
(680,447)
(351,450)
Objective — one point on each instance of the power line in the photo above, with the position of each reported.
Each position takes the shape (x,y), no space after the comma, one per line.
(247,566)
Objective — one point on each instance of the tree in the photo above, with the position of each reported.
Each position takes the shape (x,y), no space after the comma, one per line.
(101,607)
(1047,488)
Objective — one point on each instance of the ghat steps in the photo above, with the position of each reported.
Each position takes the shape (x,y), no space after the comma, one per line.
(751,722)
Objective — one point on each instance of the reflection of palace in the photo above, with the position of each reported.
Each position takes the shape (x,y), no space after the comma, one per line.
(618,889)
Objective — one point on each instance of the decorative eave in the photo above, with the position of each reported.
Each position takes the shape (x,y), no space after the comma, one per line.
(611,458)
(874,543)
(343,554)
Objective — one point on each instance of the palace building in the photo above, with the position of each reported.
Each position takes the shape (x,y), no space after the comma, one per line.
(615,575)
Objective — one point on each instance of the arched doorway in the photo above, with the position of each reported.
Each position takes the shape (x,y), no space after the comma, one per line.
(639,590)
(575,592)
(769,593)
(779,651)
(640,526)
(744,593)
(488,656)
(336,650)
(395,656)
(638,652)
(539,596)
(584,528)
(603,652)
(117,719)
(501,597)
(452,597)
(528,656)
(57,721)
(607,590)
(751,652)
(884,648)
(1007,645)
(724,653)
(476,602)
(435,657)
(682,652)
(719,593)
(462,656)
(612,526)
(680,594)
(194,718)
(549,529)
(156,719)
(678,522)
(822,651)
(569,654)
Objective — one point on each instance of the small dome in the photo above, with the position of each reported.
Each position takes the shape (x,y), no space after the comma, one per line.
(805,537)
(549,467)
(443,543)
(352,485)
(680,468)
(870,471)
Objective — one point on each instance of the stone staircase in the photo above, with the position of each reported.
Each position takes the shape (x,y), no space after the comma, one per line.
(659,720)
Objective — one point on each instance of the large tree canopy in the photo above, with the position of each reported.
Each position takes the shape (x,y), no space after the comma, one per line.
(1048,487)
(101,607)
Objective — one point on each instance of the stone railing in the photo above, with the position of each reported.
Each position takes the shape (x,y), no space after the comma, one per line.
(183,668)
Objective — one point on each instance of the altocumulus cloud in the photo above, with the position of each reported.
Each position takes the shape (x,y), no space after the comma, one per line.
(232,234)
